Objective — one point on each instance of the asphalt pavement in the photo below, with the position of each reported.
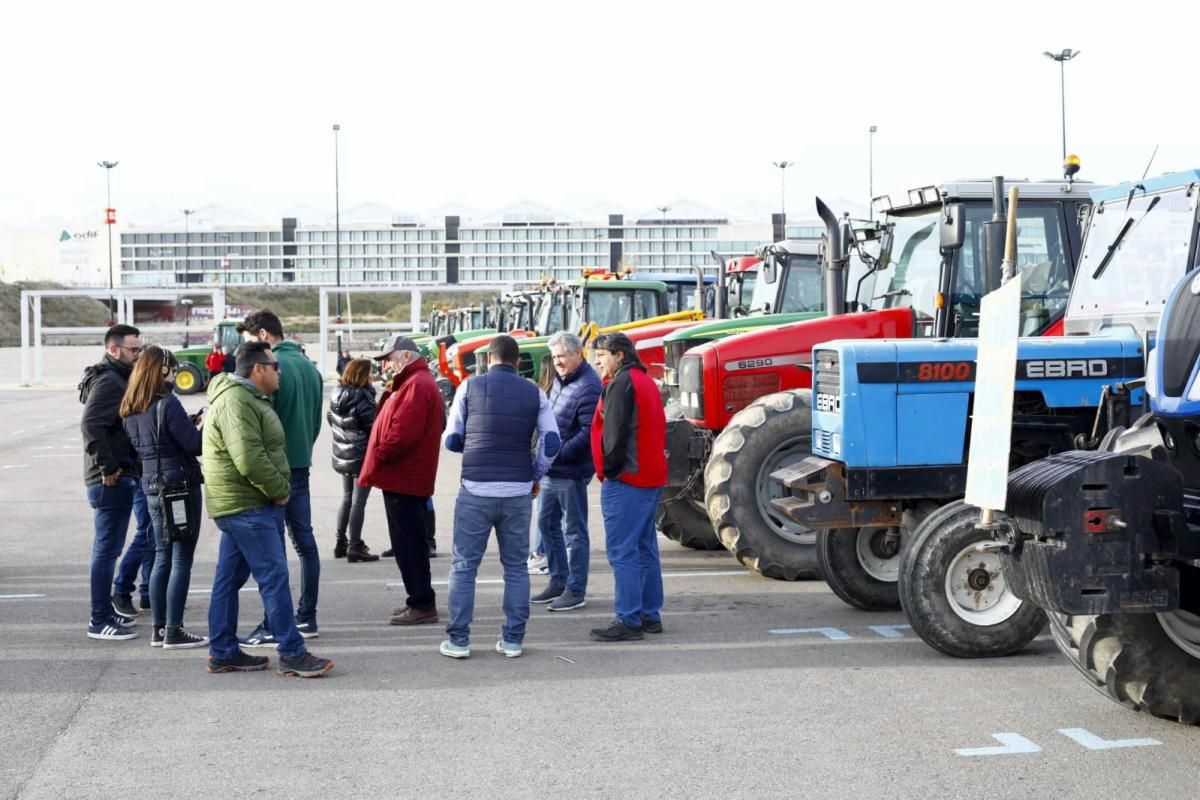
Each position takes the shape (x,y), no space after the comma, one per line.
(757,688)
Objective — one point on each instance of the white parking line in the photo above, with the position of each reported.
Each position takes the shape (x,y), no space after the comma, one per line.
(1093,742)
(499,581)
(19,596)
(14,466)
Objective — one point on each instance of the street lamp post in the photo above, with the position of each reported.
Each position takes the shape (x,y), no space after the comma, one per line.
(783,165)
(337,236)
(663,210)
(110,218)
(187,274)
(187,319)
(1062,59)
(871,171)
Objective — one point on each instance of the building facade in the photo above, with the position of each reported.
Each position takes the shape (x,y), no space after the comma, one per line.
(513,247)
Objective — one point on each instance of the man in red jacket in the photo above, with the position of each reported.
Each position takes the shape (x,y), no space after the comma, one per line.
(402,461)
(629,437)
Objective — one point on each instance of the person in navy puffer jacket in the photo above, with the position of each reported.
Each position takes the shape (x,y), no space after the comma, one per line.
(564,493)
(178,443)
(351,415)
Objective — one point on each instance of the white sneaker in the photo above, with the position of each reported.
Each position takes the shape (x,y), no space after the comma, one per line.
(452,650)
(536,565)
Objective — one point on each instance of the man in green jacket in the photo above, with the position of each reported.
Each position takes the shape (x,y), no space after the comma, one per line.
(247,481)
(300,405)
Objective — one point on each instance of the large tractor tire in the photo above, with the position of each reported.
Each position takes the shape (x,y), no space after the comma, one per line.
(772,432)
(189,379)
(684,520)
(861,566)
(956,598)
(1145,662)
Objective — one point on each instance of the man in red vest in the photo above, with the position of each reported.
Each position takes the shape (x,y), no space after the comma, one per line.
(629,436)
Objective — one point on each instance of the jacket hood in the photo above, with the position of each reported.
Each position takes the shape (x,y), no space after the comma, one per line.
(228,381)
(343,398)
(94,372)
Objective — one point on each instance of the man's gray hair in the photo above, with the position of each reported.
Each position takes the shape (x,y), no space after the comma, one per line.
(567,341)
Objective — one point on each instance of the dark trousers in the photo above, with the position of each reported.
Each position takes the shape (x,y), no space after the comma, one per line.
(406,529)
(140,554)
(354,504)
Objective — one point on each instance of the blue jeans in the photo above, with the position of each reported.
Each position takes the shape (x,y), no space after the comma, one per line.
(172,574)
(111,506)
(632,546)
(474,518)
(567,558)
(140,553)
(251,545)
(299,528)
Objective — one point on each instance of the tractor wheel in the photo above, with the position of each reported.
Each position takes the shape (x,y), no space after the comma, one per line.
(1146,662)
(861,566)
(772,432)
(189,379)
(956,598)
(684,520)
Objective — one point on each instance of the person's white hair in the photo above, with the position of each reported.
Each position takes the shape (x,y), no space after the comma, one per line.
(567,341)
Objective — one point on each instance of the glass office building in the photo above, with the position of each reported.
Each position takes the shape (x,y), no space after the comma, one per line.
(518,245)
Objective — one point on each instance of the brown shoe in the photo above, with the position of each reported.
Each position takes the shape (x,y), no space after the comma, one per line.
(415,616)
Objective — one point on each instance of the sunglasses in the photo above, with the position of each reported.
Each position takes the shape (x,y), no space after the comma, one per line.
(272,364)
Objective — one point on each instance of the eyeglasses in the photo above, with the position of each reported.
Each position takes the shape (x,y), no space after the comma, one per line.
(272,364)
(134,350)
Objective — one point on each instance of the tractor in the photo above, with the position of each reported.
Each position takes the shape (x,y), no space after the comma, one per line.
(1107,541)
(193,375)
(746,398)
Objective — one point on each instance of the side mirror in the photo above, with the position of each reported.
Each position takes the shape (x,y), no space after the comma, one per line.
(952,227)
(770,269)
(886,240)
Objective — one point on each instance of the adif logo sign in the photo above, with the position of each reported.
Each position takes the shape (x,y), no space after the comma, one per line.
(67,236)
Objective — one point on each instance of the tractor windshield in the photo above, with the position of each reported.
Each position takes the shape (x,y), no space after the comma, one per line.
(1146,262)
(609,307)
(911,280)
(799,287)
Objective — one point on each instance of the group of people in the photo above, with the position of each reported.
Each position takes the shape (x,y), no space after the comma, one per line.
(252,450)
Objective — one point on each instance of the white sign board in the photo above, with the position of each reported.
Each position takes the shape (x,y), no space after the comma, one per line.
(995,379)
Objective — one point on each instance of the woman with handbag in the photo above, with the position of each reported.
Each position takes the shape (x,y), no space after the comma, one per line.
(351,415)
(168,444)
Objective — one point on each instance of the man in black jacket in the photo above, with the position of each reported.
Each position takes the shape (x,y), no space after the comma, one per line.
(110,472)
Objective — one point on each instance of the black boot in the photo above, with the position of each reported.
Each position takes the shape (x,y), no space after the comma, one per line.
(359,552)
(339,547)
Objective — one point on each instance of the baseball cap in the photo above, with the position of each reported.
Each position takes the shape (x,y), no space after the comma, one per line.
(397,342)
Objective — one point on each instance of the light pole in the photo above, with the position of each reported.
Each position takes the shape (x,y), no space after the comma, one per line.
(187,241)
(663,210)
(1062,59)
(110,219)
(187,319)
(871,171)
(337,237)
(783,165)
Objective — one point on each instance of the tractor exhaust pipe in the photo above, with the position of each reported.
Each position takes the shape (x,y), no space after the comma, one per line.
(722,279)
(993,236)
(699,289)
(835,259)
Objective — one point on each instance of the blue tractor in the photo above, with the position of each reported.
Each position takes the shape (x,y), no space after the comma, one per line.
(1108,541)
(891,424)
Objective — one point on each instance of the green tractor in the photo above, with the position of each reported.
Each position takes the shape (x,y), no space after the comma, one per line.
(193,374)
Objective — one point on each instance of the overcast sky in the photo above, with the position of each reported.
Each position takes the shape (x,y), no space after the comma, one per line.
(629,104)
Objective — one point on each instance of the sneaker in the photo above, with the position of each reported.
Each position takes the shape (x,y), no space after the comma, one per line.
(259,637)
(568,600)
(508,649)
(308,629)
(651,625)
(414,616)
(180,639)
(359,552)
(617,631)
(339,547)
(123,606)
(536,565)
(241,662)
(110,631)
(389,553)
(158,635)
(452,650)
(304,666)
(144,603)
(547,594)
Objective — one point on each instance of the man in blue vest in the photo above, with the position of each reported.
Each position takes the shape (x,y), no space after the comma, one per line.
(495,420)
